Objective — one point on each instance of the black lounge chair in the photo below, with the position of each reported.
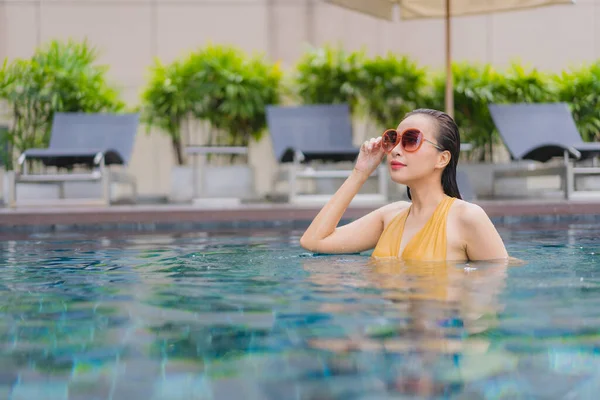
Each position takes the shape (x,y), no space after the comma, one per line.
(309,133)
(95,141)
(542,132)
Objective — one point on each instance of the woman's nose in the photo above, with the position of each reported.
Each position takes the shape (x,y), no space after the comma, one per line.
(397,151)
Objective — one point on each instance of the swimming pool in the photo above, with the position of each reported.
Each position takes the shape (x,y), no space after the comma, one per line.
(251,315)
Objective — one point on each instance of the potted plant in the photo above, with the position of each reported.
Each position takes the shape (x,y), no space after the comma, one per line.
(390,87)
(167,104)
(58,77)
(225,88)
(330,75)
(235,89)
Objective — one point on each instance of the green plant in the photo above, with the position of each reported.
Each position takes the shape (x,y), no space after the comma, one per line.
(168,99)
(390,87)
(580,88)
(474,88)
(519,84)
(234,91)
(5,149)
(330,76)
(218,84)
(59,77)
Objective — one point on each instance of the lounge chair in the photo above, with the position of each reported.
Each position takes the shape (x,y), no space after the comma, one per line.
(95,141)
(542,132)
(309,133)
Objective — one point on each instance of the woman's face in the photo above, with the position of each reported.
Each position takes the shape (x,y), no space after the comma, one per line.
(406,167)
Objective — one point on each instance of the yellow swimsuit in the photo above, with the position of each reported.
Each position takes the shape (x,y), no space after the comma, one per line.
(429,244)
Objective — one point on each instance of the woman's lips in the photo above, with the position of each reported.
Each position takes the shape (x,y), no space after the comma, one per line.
(397,165)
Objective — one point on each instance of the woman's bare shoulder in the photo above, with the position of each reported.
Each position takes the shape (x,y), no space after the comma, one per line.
(469,213)
(389,211)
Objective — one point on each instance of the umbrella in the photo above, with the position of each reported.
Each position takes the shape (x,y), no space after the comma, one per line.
(415,9)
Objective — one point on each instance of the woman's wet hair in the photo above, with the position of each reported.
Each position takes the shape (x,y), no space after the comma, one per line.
(448,138)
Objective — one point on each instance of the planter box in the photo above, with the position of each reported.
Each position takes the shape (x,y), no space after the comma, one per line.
(550,186)
(213,182)
(27,192)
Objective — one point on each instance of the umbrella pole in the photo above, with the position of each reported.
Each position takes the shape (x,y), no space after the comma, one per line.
(449,87)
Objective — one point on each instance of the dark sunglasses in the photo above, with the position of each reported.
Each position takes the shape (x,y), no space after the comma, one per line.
(411,140)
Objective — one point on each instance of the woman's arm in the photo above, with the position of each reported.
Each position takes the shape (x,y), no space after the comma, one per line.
(482,241)
(324,236)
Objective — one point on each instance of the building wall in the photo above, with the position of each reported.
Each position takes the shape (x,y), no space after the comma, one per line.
(131,33)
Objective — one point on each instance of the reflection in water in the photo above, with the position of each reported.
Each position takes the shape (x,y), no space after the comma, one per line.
(216,316)
(428,312)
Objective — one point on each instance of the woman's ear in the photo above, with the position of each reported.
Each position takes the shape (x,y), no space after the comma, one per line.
(443,159)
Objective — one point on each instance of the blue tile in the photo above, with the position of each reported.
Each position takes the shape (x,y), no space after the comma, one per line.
(41,391)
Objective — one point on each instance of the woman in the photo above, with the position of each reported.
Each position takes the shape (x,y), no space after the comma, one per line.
(436,226)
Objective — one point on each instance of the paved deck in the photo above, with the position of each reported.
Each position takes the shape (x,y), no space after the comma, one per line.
(165,216)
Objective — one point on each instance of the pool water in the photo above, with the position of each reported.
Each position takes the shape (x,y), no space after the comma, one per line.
(251,315)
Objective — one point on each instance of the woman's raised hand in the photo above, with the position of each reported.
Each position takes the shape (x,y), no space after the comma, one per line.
(370,156)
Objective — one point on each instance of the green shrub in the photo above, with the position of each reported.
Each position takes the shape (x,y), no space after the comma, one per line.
(519,84)
(330,76)
(59,77)
(234,91)
(218,84)
(168,99)
(475,86)
(390,87)
(385,88)
(581,89)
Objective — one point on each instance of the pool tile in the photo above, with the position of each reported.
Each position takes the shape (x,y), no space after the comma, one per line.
(8,378)
(182,387)
(527,384)
(5,391)
(93,388)
(41,390)
(174,367)
(133,390)
(237,388)
(338,387)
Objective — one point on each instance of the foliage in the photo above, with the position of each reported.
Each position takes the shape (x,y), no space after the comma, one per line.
(390,87)
(475,86)
(521,85)
(168,99)
(231,90)
(330,75)
(59,77)
(581,89)
(234,91)
(218,84)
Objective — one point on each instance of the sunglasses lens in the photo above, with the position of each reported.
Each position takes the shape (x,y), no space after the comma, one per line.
(411,140)
(389,140)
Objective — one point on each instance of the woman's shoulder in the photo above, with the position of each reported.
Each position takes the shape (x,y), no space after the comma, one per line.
(395,207)
(390,211)
(468,213)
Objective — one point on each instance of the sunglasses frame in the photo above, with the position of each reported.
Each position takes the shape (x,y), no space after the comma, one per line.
(399,140)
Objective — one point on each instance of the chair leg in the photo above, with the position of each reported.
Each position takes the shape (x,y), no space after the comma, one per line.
(61,190)
(569,178)
(12,188)
(134,190)
(569,182)
(292,189)
(106,183)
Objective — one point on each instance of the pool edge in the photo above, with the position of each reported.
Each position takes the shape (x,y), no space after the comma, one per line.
(188,217)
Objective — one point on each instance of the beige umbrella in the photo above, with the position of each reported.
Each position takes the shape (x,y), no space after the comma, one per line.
(415,9)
